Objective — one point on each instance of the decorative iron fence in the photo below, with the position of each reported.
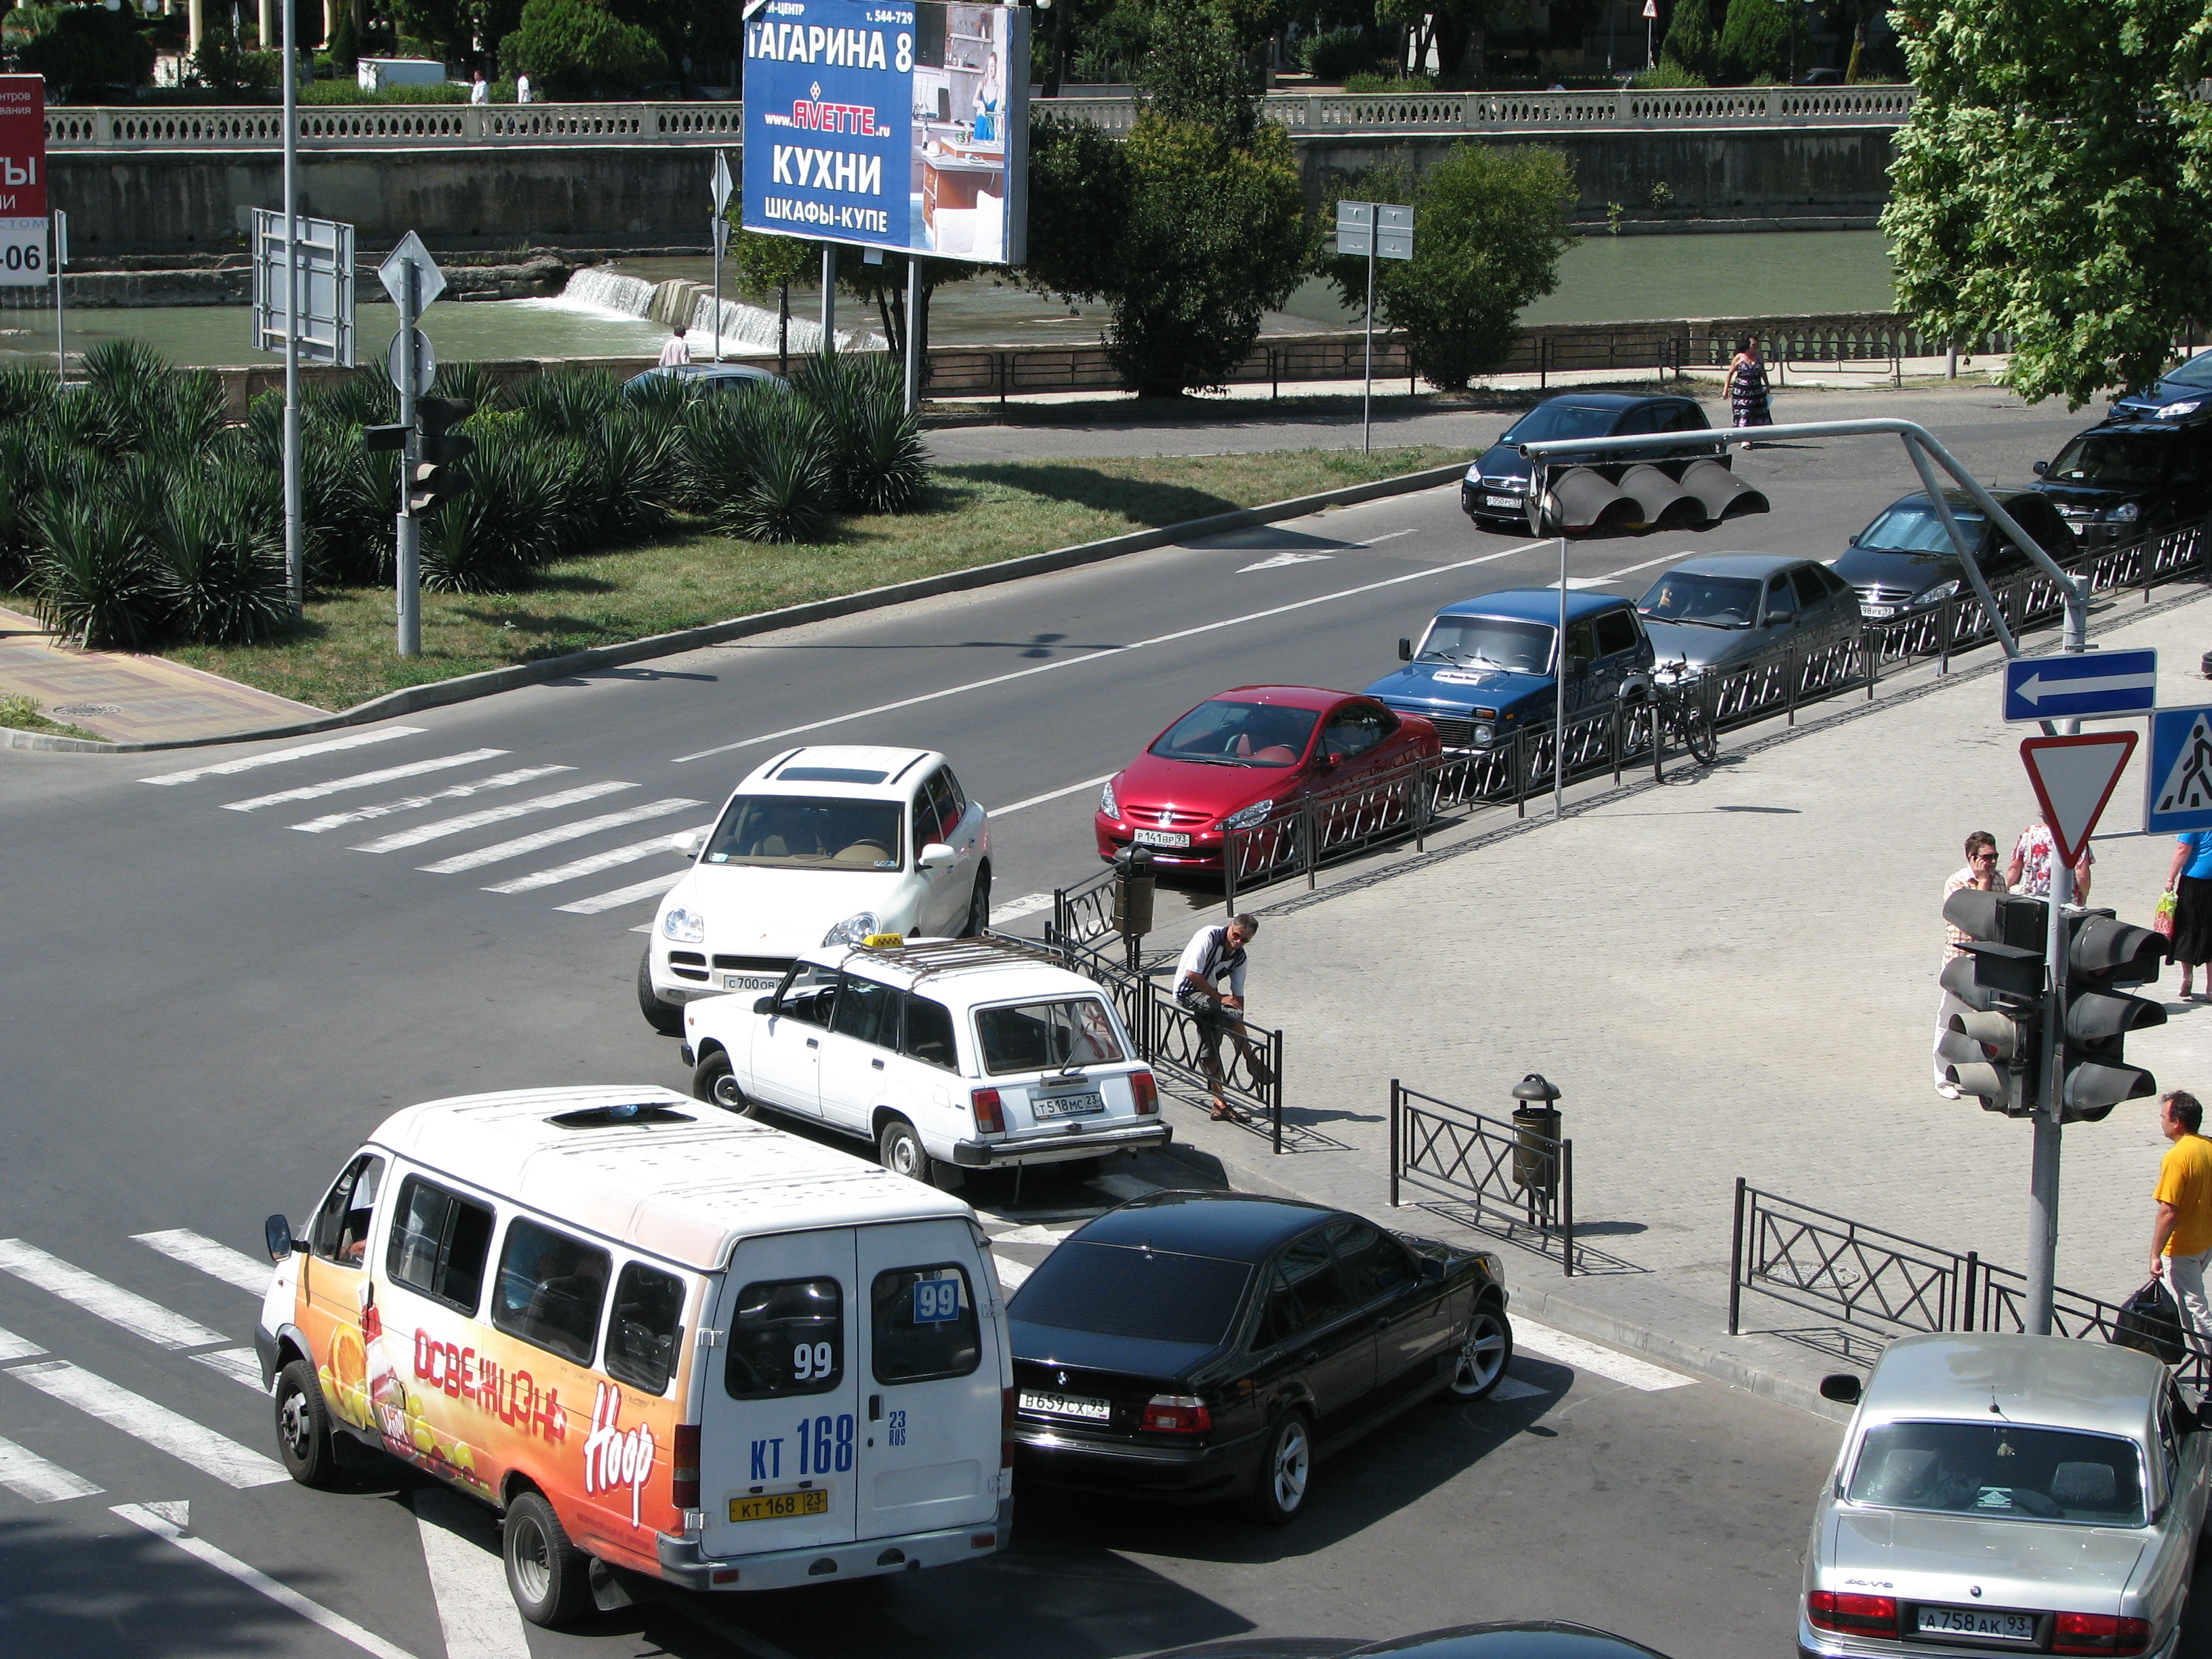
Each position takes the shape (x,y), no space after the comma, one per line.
(1511,1175)
(1882,1281)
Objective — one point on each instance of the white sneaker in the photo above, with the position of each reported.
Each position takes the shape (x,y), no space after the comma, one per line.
(1950,1091)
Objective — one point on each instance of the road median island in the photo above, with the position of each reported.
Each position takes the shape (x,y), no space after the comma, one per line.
(988,524)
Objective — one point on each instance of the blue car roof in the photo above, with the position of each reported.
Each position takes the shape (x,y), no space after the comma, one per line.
(1536,604)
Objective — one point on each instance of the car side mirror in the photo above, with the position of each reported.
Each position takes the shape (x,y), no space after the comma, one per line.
(1405,651)
(935,856)
(690,843)
(2042,467)
(765,1004)
(277,1231)
(1432,1268)
(1330,760)
(1842,1387)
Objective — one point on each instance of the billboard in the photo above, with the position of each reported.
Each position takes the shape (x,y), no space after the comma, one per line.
(22,181)
(897,126)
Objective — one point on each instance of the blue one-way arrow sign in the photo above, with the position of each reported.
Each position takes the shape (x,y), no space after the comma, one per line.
(2069,688)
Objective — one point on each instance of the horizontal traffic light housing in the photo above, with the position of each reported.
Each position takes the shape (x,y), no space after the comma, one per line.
(2015,919)
(385,437)
(2094,1016)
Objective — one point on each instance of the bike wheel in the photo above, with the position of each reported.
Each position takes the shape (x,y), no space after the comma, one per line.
(1698,734)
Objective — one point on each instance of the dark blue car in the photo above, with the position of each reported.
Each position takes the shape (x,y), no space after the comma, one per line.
(1486,669)
(2183,394)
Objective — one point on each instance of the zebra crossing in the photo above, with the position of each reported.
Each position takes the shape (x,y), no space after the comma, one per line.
(468,812)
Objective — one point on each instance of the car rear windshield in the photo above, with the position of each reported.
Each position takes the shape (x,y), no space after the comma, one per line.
(1717,601)
(1489,642)
(1047,1037)
(1916,530)
(1118,1289)
(2118,459)
(794,833)
(1549,421)
(2000,1470)
(1226,734)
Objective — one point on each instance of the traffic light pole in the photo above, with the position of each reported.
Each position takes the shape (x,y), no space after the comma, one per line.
(2043,1168)
(409,532)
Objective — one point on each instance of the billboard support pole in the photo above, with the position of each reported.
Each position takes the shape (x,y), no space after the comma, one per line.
(913,334)
(294,572)
(61,324)
(828,299)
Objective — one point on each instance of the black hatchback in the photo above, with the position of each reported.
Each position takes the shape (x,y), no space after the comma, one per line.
(2125,479)
(1495,489)
(1195,1346)
(1903,561)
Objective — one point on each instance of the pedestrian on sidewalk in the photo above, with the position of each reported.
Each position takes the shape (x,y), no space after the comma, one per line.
(2189,880)
(1746,385)
(2032,856)
(522,88)
(1212,953)
(478,92)
(2181,1237)
(676,351)
(1980,873)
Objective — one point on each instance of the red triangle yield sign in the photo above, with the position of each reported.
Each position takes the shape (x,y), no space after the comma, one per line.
(2074,778)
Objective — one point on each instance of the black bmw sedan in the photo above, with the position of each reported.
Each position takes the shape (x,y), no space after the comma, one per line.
(1203,1345)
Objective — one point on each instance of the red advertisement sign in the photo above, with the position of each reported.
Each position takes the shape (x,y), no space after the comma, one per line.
(22,147)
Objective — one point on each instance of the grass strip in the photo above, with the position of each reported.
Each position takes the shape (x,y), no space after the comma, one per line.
(978,513)
(20,713)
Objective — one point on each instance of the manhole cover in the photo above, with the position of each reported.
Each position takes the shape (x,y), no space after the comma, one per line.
(74,709)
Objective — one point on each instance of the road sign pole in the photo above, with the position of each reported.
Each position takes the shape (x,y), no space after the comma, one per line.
(295,575)
(1367,389)
(408,537)
(2042,1167)
(828,299)
(61,324)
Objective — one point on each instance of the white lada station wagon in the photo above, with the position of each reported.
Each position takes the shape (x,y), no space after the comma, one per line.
(948,1055)
(821,846)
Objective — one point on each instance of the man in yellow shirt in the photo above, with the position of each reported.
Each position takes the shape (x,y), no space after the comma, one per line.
(2181,1237)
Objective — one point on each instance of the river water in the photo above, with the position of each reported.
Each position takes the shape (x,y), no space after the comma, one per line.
(611,312)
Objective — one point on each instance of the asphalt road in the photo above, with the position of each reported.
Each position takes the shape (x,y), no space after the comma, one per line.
(207,1005)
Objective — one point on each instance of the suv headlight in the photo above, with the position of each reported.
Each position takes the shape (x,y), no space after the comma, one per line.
(1246,817)
(2175,411)
(1109,803)
(684,926)
(1479,733)
(853,929)
(1941,592)
(2125,513)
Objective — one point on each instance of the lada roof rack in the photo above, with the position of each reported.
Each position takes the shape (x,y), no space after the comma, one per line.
(944,955)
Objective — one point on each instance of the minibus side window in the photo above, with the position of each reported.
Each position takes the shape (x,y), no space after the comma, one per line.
(439,1242)
(788,1338)
(924,1324)
(342,1224)
(642,1336)
(550,1290)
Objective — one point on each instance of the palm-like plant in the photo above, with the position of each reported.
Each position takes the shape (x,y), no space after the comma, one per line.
(214,562)
(93,583)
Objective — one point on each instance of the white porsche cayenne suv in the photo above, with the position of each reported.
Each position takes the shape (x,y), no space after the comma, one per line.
(821,846)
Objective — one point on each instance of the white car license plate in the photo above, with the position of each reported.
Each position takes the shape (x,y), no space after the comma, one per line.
(1064,1405)
(1163,838)
(1066,1105)
(750,982)
(1513,502)
(1974,1621)
(1878,612)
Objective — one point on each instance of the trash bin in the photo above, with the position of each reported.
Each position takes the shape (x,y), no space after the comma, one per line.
(1133,894)
(1536,1137)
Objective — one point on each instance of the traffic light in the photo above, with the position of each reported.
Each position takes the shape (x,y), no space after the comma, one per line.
(439,452)
(385,437)
(2103,953)
(1992,1042)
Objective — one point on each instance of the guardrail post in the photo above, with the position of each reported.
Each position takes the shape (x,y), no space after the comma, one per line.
(1521,772)
(1945,616)
(1418,806)
(1306,841)
(1275,1064)
(1229,851)
(1394,1143)
(1793,668)
(1735,1264)
(1973,1272)
(1619,743)
(1567,1207)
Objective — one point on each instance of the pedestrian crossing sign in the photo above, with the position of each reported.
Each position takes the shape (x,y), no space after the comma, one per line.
(2180,775)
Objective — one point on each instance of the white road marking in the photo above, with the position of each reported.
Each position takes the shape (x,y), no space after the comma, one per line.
(228,769)
(1111,651)
(468,1580)
(157,1426)
(132,1311)
(1027,905)
(1386,536)
(1039,801)
(1282,561)
(27,1474)
(140,1515)
(422,832)
(499,852)
(1577,584)
(598,861)
(652,887)
(409,803)
(1512,1388)
(1630,569)
(239,1364)
(1011,1274)
(232,1266)
(1038,1235)
(1609,1363)
(361,781)
(13,1347)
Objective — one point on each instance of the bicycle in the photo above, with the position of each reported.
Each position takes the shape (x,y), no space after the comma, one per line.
(1680,713)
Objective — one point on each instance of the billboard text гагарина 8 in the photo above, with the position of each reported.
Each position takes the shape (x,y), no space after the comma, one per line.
(895,126)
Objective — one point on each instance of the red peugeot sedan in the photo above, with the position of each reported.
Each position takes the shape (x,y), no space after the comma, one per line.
(1240,757)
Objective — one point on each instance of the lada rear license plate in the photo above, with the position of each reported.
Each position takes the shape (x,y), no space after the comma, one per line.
(1065,1404)
(1977,1622)
(780,1506)
(750,982)
(1513,502)
(1163,838)
(1066,1105)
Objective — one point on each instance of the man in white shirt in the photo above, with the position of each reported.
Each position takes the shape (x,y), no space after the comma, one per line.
(1212,953)
(478,92)
(677,350)
(521,89)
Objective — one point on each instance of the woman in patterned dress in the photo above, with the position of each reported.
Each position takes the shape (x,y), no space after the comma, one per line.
(1746,385)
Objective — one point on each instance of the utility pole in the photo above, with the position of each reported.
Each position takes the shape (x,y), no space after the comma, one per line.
(408,537)
(295,574)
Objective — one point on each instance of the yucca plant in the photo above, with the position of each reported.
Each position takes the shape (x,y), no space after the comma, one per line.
(91,581)
(568,402)
(364,397)
(778,488)
(660,398)
(25,395)
(876,456)
(489,539)
(633,467)
(220,572)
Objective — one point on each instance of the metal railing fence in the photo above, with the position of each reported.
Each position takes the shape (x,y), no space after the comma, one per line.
(1506,1173)
(1882,1281)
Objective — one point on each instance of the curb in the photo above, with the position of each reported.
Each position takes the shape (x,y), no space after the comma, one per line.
(489,682)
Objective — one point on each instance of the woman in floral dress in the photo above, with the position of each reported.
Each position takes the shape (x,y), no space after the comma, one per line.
(1746,385)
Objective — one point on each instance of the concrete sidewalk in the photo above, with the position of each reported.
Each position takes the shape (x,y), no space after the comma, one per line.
(1730,974)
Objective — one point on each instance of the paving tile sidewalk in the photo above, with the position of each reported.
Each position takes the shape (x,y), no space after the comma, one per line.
(1730,974)
(128,698)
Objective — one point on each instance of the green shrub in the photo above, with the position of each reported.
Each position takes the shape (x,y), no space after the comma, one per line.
(1755,41)
(222,66)
(1340,53)
(490,538)
(220,572)
(568,402)
(875,453)
(1377,82)
(89,45)
(628,480)
(1667,74)
(349,91)
(91,581)
(573,49)
(473,381)
(760,464)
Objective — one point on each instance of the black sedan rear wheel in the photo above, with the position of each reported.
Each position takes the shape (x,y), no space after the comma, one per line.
(1278,1492)
(1484,1350)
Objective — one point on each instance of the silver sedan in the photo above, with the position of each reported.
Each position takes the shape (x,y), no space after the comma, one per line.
(1996,1491)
